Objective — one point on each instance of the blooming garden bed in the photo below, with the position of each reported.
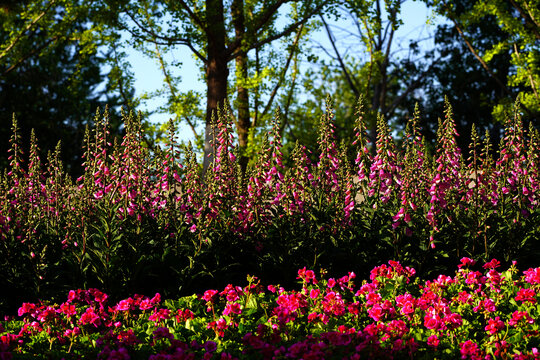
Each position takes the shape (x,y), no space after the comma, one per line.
(140,221)
(473,315)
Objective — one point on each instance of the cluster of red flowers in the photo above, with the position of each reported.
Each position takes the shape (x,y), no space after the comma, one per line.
(472,315)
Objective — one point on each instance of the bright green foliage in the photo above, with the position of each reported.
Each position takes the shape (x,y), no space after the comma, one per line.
(243,31)
(520,21)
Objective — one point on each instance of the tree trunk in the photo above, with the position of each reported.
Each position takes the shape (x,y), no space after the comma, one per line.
(242,96)
(217,73)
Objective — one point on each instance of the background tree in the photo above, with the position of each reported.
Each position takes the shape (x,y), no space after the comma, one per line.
(52,74)
(461,77)
(362,61)
(217,32)
(496,30)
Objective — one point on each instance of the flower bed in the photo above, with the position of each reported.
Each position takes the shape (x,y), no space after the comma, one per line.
(472,315)
(139,220)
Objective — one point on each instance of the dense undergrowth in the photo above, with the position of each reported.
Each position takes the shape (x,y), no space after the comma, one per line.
(141,221)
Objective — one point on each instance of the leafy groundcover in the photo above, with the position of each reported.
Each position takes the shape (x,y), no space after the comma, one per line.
(480,313)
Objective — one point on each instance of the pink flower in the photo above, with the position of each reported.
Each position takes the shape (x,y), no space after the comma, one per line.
(232,308)
(156,299)
(90,317)
(431,321)
(469,349)
(517,316)
(494,325)
(526,295)
(376,312)
(145,304)
(331,283)
(532,276)
(26,308)
(67,309)
(98,194)
(307,276)
(466,262)
(314,293)
(433,341)
(209,295)
(124,305)
(493,264)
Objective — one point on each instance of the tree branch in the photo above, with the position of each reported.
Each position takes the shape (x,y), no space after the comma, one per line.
(529,74)
(484,64)
(413,86)
(169,40)
(192,15)
(30,25)
(479,58)
(233,49)
(284,72)
(352,85)
(172,89)
(29,55)
(528,19)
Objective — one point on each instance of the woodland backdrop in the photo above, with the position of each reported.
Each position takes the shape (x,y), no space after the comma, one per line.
(60,60)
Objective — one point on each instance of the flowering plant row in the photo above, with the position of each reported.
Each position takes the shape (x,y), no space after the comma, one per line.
(141,220)
(472,315)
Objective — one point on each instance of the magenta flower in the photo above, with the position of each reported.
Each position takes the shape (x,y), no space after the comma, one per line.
(469,349)
(494,325)
(209,295)
(466,262)
(26,308)
(232,308)
(517,316)
(145,304)
(90,317)
(493,264)
(314,293)
(124,305)
(307,276)
(376,312)
(68,309)
(431,321)
(433,341)
(532,276)
(526,295)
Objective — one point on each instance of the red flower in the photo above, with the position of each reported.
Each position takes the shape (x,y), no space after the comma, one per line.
(466,262)
(27,308)
(433,341)
(209,295)
(68,309)
(526,295)
(184,315)
(161,314)
(494,325)
(493,264)
(90,317)
(124,305)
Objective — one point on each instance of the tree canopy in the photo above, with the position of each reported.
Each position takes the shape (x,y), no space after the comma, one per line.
(60,60)
(53,74)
